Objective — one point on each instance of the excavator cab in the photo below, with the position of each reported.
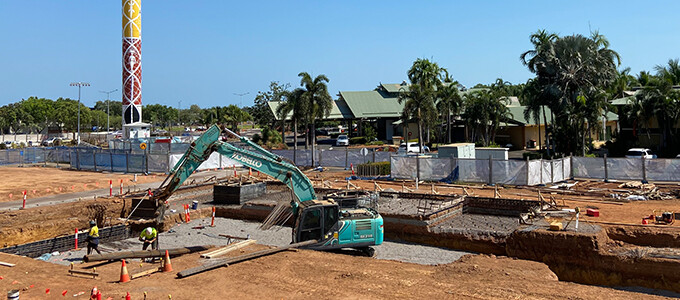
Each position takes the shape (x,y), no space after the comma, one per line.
(318,222)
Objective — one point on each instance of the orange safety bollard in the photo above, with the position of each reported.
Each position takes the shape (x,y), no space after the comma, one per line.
(110,188)
(233,166)
(121,187)
(76,238)
(23,206)
(212,222)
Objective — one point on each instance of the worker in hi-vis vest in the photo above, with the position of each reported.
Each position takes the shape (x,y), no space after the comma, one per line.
(150,237)
(93,238)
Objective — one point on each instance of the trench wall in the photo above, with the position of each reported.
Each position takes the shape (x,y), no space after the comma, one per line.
(67,242)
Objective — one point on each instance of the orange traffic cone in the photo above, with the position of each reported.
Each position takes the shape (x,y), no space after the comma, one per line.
(127,297)
(250,171)
(124,276)
(99,295)
(167,266)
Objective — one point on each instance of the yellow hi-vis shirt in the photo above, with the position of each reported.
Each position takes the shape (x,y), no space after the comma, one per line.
(151,236)
(94,232)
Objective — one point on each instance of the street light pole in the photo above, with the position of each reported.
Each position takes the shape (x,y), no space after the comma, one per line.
(107,108)
(79,85)
(241,95)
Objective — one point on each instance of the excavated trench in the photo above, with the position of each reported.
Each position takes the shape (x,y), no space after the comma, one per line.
(593,255)
(610,255)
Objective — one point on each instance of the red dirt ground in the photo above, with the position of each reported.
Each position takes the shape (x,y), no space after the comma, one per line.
(311,275)
(44,181)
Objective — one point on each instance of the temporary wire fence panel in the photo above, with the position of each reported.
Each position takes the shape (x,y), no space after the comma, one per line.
(473,170)
(663,169)
(589,167)
(624,169)
(433,168)
(510,172)
(158,163)
(332,158)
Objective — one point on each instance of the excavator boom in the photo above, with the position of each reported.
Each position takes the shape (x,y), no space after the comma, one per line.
(262,160)
(331,226)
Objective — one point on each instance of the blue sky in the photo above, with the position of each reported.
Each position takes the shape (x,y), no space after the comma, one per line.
(202,52)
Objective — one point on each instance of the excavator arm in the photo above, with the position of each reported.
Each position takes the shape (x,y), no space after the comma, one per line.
(261,160)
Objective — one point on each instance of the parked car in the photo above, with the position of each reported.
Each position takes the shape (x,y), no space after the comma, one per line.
(342,140)
(412,147)
(639,153)
(49,141)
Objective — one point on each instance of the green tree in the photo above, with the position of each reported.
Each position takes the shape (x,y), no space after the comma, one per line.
(419,99)
(159,115)
(234,116)
(115,107)
(659,100)
(485,109)
(532,100)
(573,73)
(669,72)
(40,110)
(260,111)
(319,102)
(292,101)
(192,116)
(66,112)
(449,103)
(13,116)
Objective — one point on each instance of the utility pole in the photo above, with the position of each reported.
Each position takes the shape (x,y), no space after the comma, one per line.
(79,85)
(179,109)
(107,108)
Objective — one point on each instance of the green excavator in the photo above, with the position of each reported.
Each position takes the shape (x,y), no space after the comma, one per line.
(332,225)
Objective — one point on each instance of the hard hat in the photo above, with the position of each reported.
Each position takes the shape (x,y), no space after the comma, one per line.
(149,230)
(92,223)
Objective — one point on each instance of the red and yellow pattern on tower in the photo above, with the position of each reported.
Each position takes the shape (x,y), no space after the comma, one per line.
(132,61)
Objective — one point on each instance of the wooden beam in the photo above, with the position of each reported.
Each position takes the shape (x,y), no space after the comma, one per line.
(227,249)
(227,261)
(145,273)
(6,264)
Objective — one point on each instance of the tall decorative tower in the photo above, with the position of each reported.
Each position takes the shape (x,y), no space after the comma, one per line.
(132,61)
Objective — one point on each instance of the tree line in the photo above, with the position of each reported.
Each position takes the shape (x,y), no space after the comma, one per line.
(37,114)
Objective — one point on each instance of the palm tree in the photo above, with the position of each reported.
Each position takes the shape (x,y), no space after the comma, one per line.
(418,106)
(671,72)
(572,72)
(659,99)
(319,101)
(531,99)
(449,103)
(293,102)
(426,78)
(235,115)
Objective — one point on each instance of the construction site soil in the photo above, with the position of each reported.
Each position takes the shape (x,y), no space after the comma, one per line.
(612,250)
(308,274)
(43,181)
